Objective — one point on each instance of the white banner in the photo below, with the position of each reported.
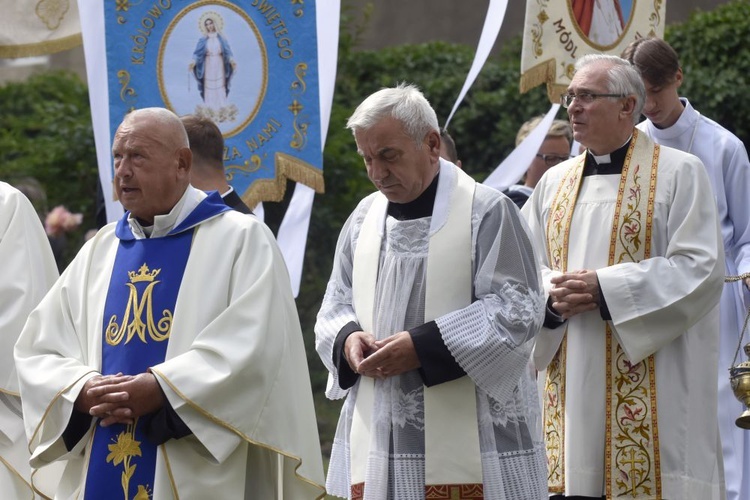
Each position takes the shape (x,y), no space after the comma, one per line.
(492,23)
(515,165)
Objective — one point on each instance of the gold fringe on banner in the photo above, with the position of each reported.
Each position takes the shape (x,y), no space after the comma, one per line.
(287,167)
(41,48)
(543,72)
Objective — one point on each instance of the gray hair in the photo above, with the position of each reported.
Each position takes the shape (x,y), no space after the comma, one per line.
(622,78)
(405,103)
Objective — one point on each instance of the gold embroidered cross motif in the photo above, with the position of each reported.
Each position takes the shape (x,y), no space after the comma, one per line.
(157,331)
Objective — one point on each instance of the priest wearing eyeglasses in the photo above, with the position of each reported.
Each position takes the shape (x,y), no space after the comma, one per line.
(633,270)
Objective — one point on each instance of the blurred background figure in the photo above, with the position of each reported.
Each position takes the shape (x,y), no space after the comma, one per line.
(58,222)
(207,174)
(28,270)
(554,149)
(448,148)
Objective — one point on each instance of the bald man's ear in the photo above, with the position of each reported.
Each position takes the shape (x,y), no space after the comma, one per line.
(184,161)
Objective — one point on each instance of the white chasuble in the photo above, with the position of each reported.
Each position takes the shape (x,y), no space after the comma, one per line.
(28,269)
(452,457)
(662,306)
(234,370)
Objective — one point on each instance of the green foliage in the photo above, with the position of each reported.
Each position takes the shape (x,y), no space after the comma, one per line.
(46,134)
(715,57)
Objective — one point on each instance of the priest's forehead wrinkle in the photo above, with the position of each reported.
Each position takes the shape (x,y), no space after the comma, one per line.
(158,124)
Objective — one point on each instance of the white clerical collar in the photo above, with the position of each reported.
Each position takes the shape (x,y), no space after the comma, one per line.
(163,224)
(600,159)
(604,159)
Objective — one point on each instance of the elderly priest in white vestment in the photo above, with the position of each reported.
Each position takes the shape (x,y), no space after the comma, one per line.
(167,361)
(28,271)
(427,324)
(634,268)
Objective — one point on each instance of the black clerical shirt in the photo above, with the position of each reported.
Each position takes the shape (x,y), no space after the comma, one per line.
(437,363)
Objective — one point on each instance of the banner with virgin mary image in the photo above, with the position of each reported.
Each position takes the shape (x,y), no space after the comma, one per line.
(556,33)
(248,65)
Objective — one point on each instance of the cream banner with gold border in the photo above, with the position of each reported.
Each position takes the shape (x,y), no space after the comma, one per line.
(38,27)
(556,33)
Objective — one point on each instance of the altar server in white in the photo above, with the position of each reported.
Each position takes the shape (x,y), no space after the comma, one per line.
(427,324)
(672,121)
(633,266)
(28,271)
(167,361)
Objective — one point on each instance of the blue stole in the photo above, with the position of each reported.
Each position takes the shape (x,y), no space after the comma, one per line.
(138,313)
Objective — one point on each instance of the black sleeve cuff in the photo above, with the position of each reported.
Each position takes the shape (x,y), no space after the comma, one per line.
(603,309)
(552,320)
(347,376)
(78,426)
(164,424)
(438,364)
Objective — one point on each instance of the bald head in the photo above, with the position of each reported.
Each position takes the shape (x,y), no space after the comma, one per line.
(152,162)
(167,125)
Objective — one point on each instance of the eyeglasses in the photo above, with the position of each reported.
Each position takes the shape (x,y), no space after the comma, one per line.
(551,160)
(584,98)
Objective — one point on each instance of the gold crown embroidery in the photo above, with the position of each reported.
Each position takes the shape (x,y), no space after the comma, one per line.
(143,274)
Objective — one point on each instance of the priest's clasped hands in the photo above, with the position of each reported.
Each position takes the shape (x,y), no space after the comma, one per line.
(575,292)
(120,399)
(391,356)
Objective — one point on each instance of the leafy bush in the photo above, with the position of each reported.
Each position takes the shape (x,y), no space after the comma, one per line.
(46,134)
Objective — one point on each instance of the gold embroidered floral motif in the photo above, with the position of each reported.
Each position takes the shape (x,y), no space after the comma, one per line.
(51,12)
(122,452)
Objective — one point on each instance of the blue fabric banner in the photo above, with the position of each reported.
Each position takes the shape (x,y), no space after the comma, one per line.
(249,65)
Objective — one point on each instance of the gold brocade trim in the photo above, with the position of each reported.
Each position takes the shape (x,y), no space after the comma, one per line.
(40,48)
(10,393)
(287,167)
(558,234)
(51,404)
(36,490)
(168,465)
(239,433)
(632,461)
(16,473)
(554,419)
